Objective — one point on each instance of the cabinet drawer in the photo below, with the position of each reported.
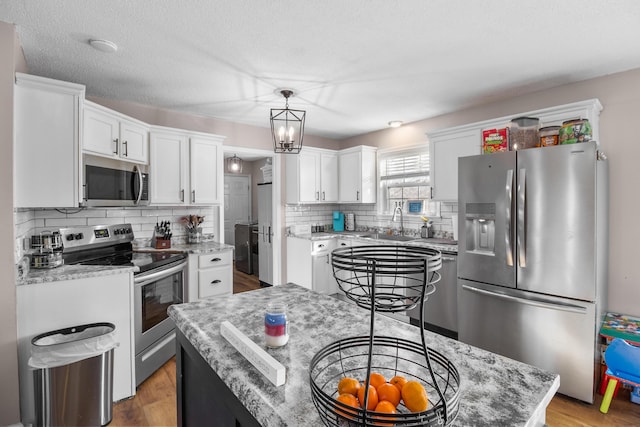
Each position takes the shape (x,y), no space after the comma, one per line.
(215,281)
(214,259)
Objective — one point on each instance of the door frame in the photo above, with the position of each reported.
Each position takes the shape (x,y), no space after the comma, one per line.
(277,210)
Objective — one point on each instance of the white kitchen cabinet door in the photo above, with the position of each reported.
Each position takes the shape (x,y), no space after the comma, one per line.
(109,134)
(135,142)
(328,177)
(357,175)
(302,177)
(101,133)
(46,151)
(168,168)
(444,150)
(204,158)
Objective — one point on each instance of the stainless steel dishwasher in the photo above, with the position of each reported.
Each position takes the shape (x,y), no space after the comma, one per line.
(441,309)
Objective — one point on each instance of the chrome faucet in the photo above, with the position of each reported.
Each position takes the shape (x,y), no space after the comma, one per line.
(395,218)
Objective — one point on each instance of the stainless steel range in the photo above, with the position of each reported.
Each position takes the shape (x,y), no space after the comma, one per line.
(159,283)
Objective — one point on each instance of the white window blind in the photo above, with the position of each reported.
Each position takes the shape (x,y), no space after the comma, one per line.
(405,176)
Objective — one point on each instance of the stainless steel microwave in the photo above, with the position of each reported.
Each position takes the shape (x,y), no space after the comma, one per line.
(114,183)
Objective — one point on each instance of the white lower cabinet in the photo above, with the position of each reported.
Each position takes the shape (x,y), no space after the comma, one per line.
(309,264)
(210,275)
(46,307)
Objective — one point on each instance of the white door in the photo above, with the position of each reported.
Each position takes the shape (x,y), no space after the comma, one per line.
(237,204)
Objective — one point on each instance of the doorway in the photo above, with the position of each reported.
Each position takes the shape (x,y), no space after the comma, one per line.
(241,206)
(237,204)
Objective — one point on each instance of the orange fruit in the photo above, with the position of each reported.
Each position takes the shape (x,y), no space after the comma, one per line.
(373,397)
(376,380)
(348,385)
(386,407)
(398,381)
(390,393)
(414,396)
(349,400)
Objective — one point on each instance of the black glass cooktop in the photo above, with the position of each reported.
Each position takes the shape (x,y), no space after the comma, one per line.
(145,261)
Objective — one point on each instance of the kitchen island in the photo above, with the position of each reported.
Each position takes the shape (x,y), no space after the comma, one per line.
(214,380)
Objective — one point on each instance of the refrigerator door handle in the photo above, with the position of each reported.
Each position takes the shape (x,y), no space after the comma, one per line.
(269,234)
(521,227)
(507,235)
(533,302)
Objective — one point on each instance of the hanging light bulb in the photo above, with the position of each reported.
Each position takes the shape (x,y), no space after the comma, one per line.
(234,164)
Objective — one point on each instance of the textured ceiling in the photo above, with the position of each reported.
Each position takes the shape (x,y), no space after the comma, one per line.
(354,64)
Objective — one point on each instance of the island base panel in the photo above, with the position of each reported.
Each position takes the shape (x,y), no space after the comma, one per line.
(202,397)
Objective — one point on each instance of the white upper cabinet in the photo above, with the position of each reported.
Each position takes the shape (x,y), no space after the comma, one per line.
(444,150)
(107,133)
(186,168)
(447,145)
(47,117)
(205,162)
(312,176)
(357,175)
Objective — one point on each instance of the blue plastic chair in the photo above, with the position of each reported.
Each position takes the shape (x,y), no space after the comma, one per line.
(623,364)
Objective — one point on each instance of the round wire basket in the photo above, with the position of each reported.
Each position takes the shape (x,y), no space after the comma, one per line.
(385,279)
(401,277)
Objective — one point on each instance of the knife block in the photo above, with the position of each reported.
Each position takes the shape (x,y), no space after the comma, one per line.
(161,243)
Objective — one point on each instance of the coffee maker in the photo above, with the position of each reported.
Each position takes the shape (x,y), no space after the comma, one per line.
(338,221)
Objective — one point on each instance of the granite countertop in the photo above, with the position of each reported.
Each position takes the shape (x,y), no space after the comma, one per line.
(189,248)
(444,245)
(72,272)
(494,390)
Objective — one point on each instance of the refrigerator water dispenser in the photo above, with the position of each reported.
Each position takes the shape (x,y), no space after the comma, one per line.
(480,228)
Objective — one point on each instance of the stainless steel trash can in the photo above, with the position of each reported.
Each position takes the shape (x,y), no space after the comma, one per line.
(73,379)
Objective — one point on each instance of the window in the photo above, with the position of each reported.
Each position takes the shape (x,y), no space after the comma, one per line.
(405,181)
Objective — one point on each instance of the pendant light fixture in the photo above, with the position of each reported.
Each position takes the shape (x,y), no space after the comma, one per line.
(234,164)
(287,127)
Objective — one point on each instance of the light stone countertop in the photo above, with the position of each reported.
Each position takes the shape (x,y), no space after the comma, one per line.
(72,272)
(360,236)
(494,390)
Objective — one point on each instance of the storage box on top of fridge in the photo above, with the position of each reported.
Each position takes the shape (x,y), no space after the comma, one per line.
(495,140)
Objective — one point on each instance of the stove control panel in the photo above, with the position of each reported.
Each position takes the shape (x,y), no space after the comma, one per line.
(81,238)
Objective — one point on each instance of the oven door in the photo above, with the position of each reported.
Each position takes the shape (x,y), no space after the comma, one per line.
(154,292)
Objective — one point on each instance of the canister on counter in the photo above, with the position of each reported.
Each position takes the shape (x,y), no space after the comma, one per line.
(574,131)
(549,136)
(523,133)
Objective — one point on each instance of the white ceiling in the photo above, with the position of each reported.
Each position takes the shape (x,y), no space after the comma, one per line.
(354,64)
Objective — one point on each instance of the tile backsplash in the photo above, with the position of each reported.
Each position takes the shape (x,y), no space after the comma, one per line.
(142,219)
(367,217)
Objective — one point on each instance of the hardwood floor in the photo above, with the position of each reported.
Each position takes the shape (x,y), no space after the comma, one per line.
(155,401)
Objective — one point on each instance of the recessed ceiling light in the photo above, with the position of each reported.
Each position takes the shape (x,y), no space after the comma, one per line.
(104,45)
(395,124)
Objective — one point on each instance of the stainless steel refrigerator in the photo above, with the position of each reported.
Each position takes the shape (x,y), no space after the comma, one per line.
(265,235)
(245,239)
(532,258)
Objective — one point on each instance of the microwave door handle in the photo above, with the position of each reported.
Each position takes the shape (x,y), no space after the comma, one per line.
(508,192)
(137,169)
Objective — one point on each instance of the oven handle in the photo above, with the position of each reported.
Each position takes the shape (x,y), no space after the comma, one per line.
(140,281)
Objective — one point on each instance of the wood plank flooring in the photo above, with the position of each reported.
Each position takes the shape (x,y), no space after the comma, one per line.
(155,401)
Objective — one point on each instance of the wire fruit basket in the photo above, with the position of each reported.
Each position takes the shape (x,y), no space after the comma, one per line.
(385,279)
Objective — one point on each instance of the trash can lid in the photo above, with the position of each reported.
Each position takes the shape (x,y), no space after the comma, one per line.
(73,333)
(70,345)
